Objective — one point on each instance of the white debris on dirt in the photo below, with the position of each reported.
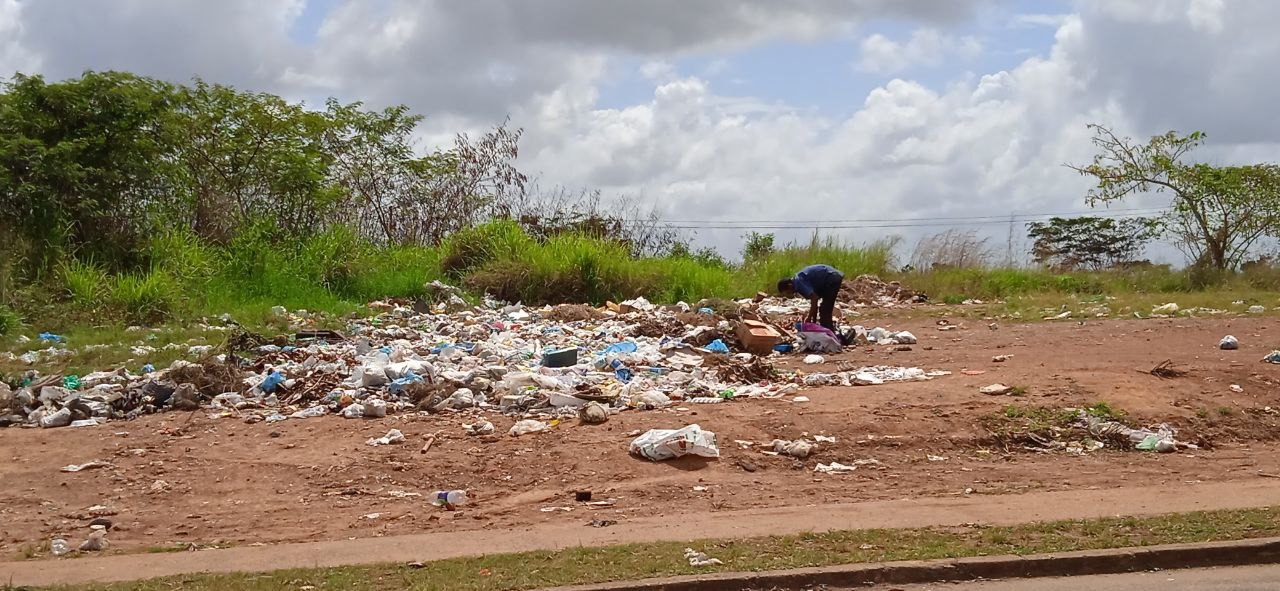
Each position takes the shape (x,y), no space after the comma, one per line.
(87,466)
(1229,343)
(666,444)
(392,436)
(996,390)
(696,558)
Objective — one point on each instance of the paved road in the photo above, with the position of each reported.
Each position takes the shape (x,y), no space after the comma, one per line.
(1241,578)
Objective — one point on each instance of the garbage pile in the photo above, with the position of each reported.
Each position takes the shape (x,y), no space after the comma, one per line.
(540,365)
(869,290)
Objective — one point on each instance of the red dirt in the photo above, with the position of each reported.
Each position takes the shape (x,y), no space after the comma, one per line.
(234,483)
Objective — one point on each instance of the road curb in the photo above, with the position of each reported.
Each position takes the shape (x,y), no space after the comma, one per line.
(1088,562)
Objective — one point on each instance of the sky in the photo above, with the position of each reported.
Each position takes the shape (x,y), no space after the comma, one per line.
(875,117)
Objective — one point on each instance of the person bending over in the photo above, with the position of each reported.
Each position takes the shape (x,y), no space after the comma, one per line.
(820,284)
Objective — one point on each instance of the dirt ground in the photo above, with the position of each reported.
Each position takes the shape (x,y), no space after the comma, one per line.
(188,479)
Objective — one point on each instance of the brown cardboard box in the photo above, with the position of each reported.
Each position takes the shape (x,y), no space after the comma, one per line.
(757,337)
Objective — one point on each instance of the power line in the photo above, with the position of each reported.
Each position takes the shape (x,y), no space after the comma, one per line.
(884,223)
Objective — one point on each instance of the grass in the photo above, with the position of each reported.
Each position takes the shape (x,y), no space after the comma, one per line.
(580,565)
(336,273)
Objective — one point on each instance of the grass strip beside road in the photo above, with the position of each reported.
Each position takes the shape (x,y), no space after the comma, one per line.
(583,565)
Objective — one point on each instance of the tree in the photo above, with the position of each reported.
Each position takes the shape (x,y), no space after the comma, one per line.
(758,246)
(1089,242)
(80,163)
(1217,214)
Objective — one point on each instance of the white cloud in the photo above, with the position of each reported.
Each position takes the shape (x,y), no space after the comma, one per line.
(926,47)
(983,144)
(1041,20)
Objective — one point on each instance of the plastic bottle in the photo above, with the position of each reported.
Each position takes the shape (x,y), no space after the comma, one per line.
(59,547)
(449,499)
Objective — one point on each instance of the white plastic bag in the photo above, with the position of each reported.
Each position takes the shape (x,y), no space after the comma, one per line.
(665,444)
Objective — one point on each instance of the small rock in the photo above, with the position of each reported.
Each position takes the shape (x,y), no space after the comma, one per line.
(996,390)
(1001,358)
(747,466)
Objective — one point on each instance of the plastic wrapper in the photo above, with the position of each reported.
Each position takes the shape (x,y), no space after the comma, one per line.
(666,444)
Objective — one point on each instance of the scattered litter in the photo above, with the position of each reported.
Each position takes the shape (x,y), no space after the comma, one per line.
(59,546)
(392,436)
(696,558)
(1001,358)
(593,413)
(834,468)
(824,439)
(1236,388)
(973,372)
(800,399)
(1160,439)
(528,426)
(449,499)
(1257,309)
(665,444)
(1229,343)
(1272,357)
(481,427)
(933,458)
(796,449)
(1166,310)
(602,523)
(996,389)
(555,509)
(92,465)
(813,359)
(97,541)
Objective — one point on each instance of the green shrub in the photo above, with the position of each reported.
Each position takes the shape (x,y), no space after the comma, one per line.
(9,321)
(86,284)
(471,248)
(144,298)
(181,255)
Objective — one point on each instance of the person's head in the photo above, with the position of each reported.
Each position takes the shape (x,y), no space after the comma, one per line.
(786,286)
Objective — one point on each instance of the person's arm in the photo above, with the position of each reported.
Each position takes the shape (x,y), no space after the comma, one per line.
(813,309)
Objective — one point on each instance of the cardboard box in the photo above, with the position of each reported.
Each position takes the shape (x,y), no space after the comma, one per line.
(757,337)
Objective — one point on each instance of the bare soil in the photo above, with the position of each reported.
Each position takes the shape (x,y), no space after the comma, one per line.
(191,479)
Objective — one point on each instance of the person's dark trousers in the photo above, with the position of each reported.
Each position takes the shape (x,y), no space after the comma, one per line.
(827,305)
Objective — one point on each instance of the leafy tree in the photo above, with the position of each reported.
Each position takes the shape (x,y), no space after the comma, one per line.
(1089,242)
(81,162)
(1217,214)
(758,246)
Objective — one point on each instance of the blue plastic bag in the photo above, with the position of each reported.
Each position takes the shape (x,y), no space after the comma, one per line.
(273,381)
(623,347)
(717,346)
(400,384)
(49,337)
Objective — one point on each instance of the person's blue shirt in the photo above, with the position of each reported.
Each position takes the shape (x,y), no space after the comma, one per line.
(816,279)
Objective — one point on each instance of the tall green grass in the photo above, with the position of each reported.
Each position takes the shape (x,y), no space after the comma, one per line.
(337,272)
